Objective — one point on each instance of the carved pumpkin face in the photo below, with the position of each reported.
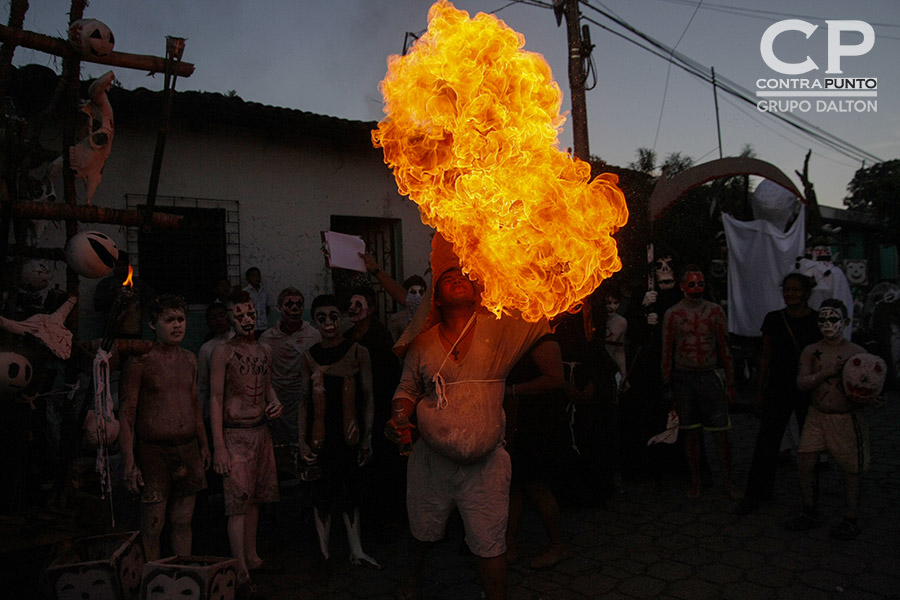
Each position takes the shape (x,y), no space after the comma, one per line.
(91,37)
(15,371)
(91,254)
(864,376)
(164,587)
(89,584)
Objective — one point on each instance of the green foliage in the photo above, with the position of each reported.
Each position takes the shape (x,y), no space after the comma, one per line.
(876,190)
(646,161)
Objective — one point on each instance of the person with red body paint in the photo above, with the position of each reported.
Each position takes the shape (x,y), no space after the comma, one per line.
(697,366)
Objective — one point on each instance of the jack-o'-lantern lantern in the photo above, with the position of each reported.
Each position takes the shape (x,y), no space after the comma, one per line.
(131,566)
(222,585)
(864,376)
(92,38)
(91,254)
(15,371)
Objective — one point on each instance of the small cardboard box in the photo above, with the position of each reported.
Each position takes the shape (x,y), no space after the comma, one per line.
(103,567)
(196,577)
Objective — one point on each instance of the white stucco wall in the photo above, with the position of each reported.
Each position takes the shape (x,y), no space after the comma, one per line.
(287,192)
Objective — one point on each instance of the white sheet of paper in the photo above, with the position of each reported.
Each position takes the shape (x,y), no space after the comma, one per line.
(344,249)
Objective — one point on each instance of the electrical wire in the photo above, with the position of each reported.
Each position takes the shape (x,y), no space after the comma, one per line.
(728,86)
(662,105)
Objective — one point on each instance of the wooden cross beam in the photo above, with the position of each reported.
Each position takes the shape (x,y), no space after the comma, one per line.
(60,47)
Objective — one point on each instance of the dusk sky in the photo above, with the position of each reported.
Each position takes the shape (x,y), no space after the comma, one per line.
(327,57)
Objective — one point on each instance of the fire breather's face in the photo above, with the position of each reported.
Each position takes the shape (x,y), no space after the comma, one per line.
(693,285)
(831,323)
(359,308)
(243,318)
(665,273)
(454,285)
(327,320)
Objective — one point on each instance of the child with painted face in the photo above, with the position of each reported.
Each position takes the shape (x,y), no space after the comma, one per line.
(337,371)
(162,438)
(834,423)
(241,400)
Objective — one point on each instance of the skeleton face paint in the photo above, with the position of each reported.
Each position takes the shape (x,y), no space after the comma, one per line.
(831,323)
(327,320)
(243,318)
(693,285)
(665,273)
(169,326)
(359,308)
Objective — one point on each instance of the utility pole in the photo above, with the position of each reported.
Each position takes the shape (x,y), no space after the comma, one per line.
(578,53)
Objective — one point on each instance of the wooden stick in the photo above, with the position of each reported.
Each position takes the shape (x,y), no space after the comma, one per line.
(92,214)
(60,47)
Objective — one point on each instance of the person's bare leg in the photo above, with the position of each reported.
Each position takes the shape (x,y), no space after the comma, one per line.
(723,446)
(806,473)
(516,506)
(251,522)
(181,511)
(692,449)
(417,553)
(492,572)
(852,486)
(236,539)
(153,517)
(548,510)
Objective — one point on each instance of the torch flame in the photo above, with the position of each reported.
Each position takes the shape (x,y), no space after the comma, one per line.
(471,136)
(128,280)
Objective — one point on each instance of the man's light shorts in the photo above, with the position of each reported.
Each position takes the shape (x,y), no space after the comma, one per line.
(480,491)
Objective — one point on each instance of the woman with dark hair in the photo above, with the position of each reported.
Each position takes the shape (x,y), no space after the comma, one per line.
(785,333)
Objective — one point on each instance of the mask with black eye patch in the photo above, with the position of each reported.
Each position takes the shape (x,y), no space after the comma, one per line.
(358,309)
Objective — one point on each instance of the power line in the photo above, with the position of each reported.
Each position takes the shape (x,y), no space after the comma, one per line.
(662,105)
(758,12)
(702,72)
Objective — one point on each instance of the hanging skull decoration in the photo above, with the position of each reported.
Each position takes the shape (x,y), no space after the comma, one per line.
(92,38)
(864,376)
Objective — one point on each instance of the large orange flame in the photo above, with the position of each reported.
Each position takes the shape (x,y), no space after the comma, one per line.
(471,136)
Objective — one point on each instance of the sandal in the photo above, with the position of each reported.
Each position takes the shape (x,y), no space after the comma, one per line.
(845,530)
(802,522)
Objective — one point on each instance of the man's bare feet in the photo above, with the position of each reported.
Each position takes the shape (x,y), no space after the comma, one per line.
(694,491)
(732,491)
(550,557)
